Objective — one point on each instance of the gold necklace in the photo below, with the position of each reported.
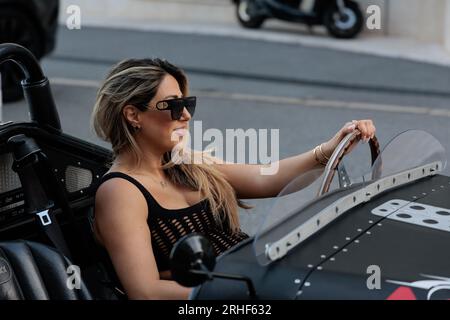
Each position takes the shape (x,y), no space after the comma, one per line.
(161,182)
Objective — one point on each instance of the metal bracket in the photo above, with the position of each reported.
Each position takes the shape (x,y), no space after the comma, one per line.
(44,217)
(415,213)
(344,179)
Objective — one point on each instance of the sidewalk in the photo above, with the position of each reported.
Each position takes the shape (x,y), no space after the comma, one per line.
(217,18)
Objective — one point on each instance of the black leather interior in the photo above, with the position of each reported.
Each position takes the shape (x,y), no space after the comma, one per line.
(34,271)
(111,288)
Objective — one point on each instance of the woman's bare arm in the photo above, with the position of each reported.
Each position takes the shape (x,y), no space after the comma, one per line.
(249,182)
(121,223)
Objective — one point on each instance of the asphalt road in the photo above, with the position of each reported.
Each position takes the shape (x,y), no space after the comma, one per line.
(306,93)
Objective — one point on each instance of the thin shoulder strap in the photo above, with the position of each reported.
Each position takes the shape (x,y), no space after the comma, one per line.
(147,195)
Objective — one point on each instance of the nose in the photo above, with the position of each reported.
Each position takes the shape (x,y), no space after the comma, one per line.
(185,116)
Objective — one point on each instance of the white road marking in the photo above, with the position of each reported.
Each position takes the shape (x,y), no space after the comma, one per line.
(305,102)
(75,82)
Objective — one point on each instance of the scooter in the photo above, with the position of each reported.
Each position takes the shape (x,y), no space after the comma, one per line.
(342,18)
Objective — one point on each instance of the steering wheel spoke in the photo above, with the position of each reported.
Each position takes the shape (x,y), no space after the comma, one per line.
(335,162)
(344,179)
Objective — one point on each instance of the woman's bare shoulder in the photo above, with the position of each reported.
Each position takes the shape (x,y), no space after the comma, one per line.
(117,194)
(118,205)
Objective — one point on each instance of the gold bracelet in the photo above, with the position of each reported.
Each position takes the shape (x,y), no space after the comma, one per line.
(317,157)
(322,153)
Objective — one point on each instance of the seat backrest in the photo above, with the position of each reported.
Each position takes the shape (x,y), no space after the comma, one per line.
(34,271)
(111,287)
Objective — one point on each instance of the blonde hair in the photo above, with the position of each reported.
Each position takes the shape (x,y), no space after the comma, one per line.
(135,82)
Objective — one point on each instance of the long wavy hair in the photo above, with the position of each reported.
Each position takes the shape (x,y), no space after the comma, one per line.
(135,82)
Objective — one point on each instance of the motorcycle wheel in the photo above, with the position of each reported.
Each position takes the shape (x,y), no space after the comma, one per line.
(346,27)
(18,28)
(245,12)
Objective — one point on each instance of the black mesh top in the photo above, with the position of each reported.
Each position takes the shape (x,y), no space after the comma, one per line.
(167,226)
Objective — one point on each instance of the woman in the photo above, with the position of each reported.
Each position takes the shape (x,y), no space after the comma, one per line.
(146,202)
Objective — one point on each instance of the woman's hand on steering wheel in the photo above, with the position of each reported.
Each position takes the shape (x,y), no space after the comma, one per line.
(366,129)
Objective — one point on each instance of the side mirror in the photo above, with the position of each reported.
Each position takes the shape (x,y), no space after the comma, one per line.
(192,260)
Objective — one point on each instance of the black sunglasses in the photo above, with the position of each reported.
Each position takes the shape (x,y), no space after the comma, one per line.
(177,105)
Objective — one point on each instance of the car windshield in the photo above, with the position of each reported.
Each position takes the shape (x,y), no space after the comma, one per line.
(298,211)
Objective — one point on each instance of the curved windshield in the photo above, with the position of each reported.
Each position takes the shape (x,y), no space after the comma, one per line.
(408,150)
(289,220)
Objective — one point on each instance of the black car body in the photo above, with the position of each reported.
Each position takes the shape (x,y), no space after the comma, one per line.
(396,218)
(381,235)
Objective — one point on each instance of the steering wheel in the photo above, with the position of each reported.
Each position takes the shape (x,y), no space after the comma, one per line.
(334,164)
